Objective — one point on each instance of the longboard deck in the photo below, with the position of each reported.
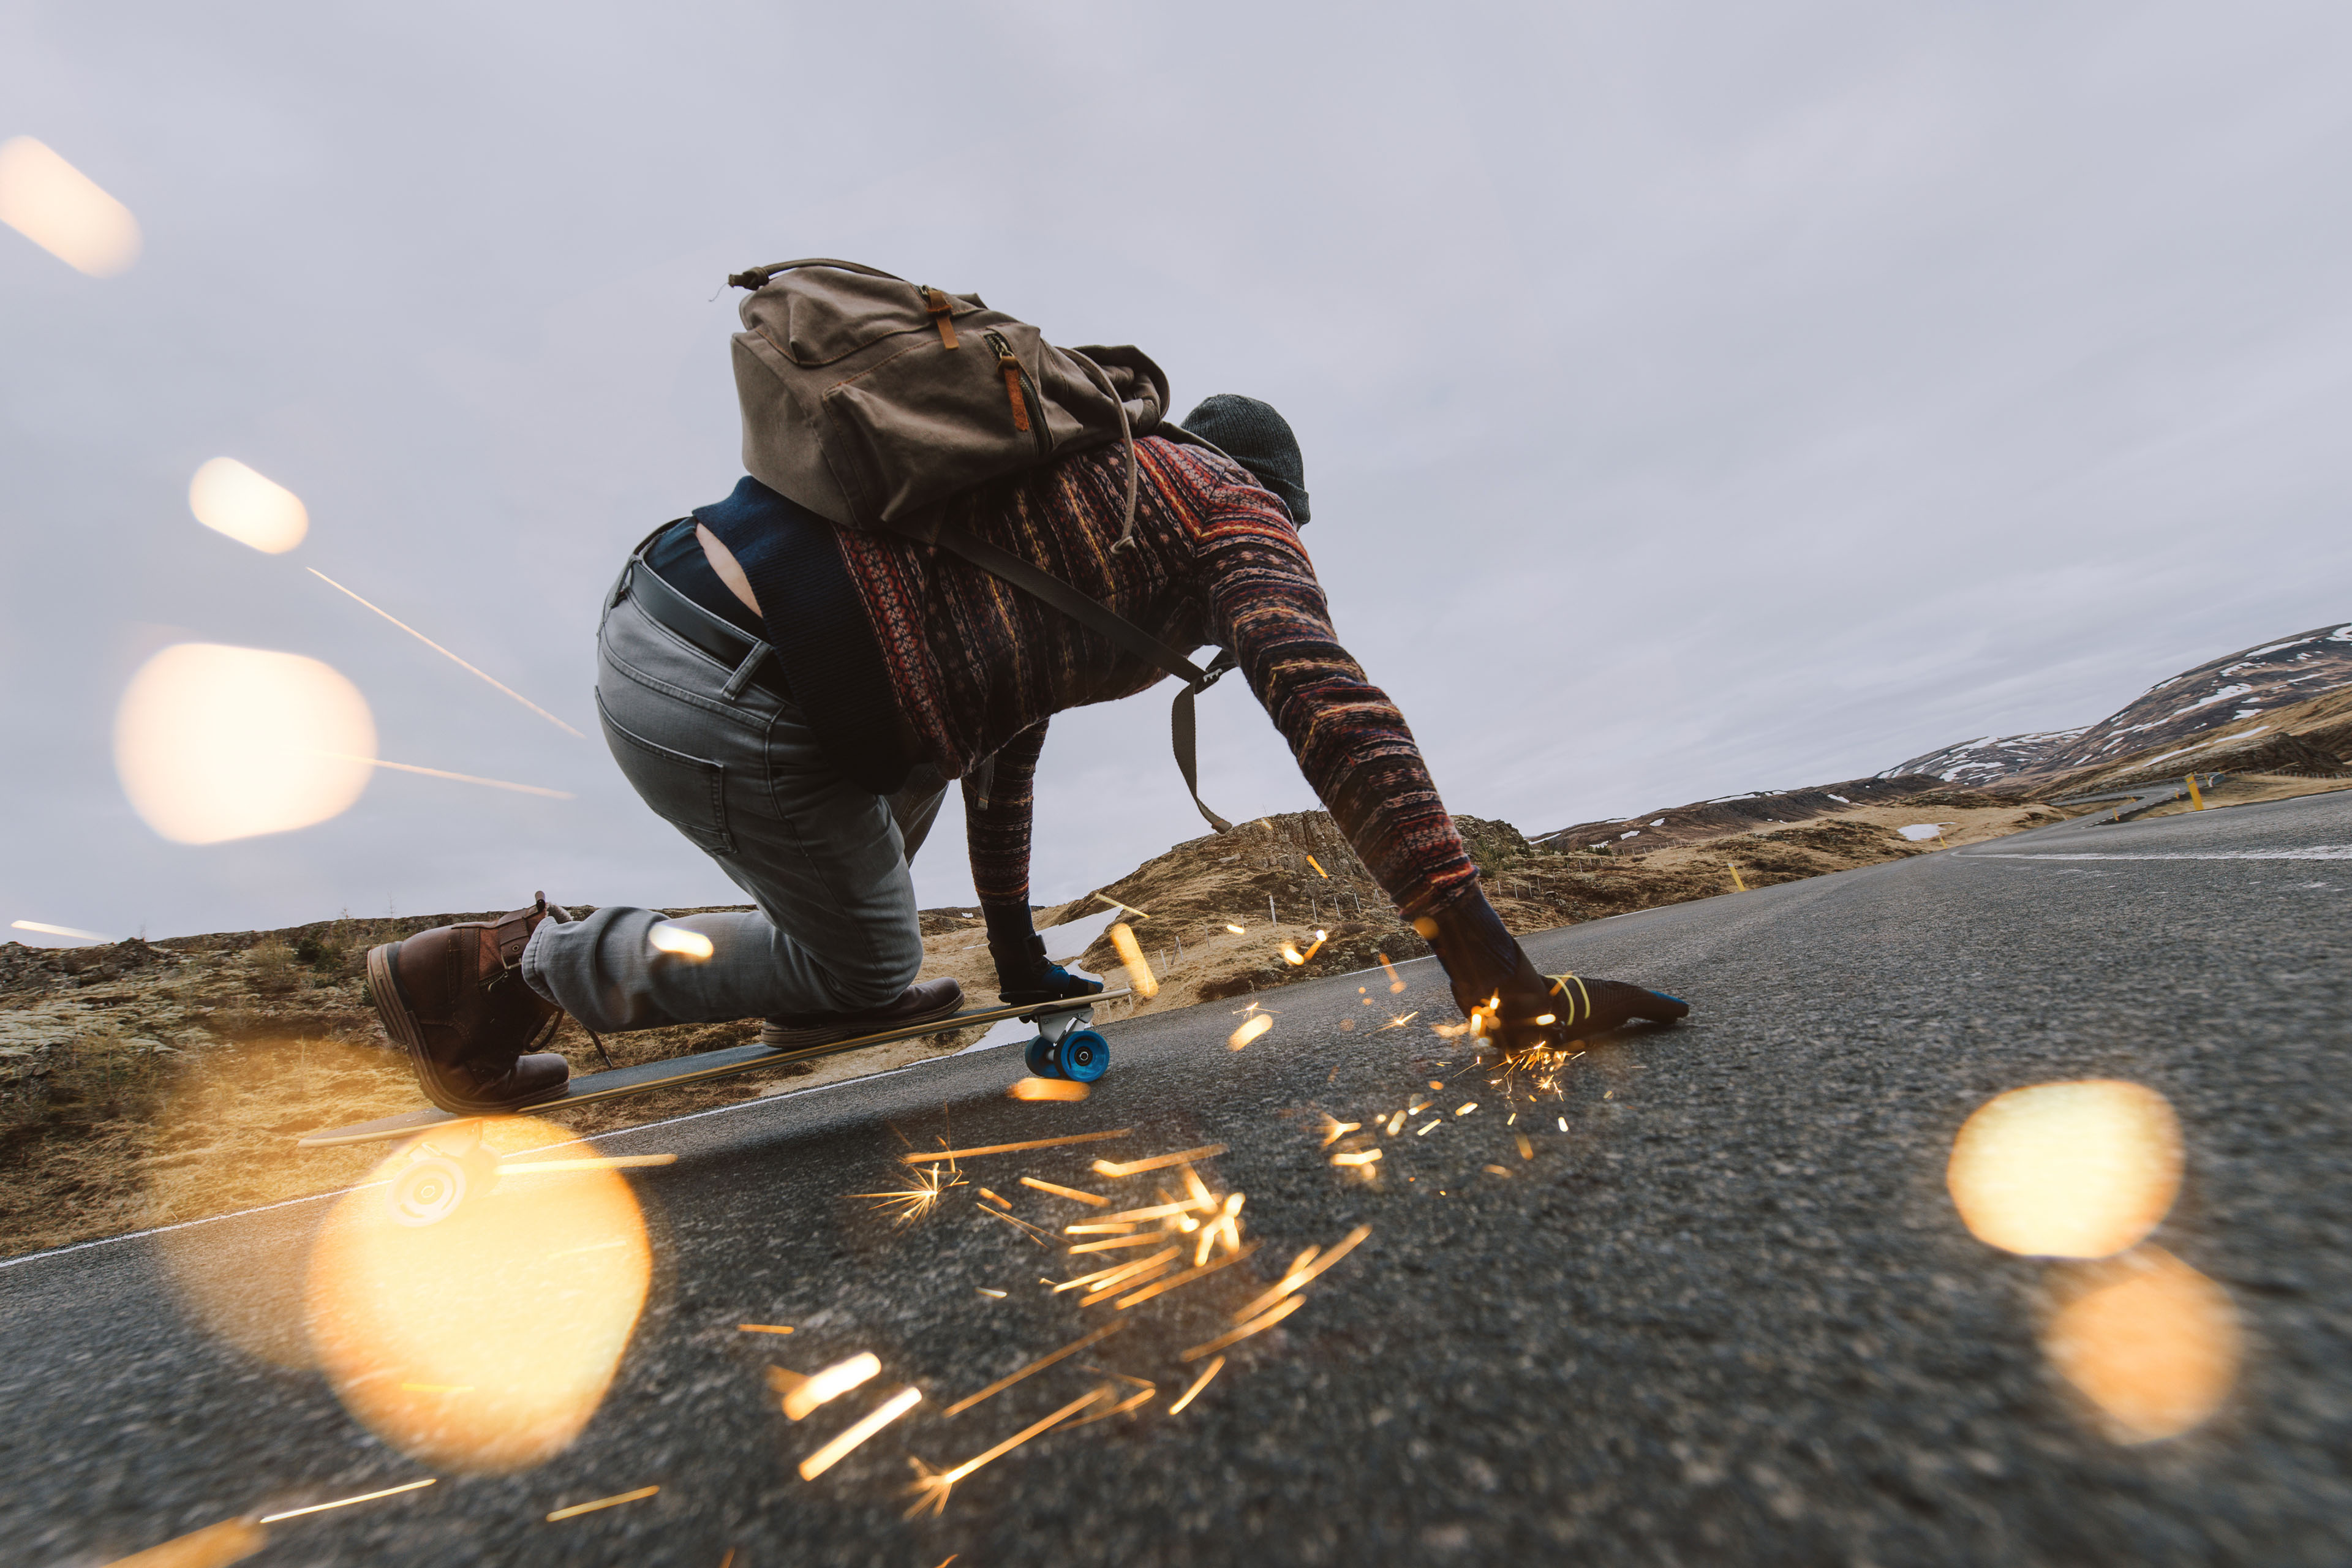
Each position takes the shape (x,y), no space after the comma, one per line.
(698,1068)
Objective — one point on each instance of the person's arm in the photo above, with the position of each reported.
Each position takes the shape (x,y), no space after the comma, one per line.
(998,806)
(1352,744)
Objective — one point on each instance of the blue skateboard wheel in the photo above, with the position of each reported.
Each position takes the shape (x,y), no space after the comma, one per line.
(1040,1057)
(1085,1056)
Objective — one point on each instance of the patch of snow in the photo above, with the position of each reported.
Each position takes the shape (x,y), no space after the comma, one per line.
(1635,834)
(2341,634)
(1841,800)
(1919,830)
(1660,823)
(2221,696)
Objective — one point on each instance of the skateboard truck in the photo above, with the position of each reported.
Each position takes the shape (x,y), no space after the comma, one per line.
(1067,1045)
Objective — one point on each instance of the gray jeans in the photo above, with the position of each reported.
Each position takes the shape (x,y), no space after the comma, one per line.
(736,769)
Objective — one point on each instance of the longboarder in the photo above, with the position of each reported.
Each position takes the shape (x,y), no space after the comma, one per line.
(793,698)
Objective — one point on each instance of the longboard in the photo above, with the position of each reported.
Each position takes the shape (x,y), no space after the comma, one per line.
(1056,1024)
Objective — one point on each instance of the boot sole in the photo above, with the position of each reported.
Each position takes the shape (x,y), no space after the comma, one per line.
(400,1022)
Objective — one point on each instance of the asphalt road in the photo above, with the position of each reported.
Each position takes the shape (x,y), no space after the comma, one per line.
(1728,1316)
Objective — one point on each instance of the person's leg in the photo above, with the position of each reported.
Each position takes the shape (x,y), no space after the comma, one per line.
(739,775)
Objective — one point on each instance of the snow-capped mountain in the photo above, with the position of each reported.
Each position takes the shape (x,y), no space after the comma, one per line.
(2172,713)
(1987,757)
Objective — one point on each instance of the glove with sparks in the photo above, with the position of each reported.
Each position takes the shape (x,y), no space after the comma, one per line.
(1510,1005)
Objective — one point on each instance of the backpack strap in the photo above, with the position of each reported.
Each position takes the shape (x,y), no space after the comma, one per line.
(1126,433)
(1099,617)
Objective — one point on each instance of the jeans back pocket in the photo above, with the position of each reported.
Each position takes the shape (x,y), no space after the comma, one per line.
(687,792)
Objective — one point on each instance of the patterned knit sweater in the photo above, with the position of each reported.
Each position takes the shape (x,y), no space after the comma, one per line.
(980,666)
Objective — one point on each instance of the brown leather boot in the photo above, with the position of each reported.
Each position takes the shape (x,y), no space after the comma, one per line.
(918,1004)
(455,997)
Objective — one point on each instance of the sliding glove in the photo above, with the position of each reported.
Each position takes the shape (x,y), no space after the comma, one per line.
(1511,1004)
(1023,974)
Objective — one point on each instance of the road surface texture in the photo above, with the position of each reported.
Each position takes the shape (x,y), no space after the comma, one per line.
(1728,1315)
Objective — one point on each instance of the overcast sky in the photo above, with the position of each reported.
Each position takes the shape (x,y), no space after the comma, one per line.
(1694,399)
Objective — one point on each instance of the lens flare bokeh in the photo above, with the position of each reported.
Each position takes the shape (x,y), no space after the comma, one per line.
(2154,1344)
(215,742)
(229,497)
(2067,1170)
(484,1340)
(64,210)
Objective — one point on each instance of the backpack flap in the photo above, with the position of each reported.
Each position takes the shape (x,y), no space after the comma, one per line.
(869,400)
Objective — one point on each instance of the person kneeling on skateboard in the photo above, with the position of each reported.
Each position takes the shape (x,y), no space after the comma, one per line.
(793,698)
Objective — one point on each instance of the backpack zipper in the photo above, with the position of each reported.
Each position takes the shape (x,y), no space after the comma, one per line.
(1022,395)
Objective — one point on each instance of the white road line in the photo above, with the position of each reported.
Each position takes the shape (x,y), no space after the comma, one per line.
(2316,852)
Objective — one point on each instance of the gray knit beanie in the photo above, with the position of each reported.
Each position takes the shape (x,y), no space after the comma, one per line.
(1253,435)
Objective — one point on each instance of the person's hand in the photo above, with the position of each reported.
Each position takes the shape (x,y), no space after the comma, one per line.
(1577,1007)
(1558,1011)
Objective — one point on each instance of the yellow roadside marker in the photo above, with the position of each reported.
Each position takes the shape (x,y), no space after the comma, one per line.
(2195,795)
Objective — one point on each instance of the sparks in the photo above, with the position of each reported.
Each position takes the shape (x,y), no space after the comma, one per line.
(1250,1030)
(763,1328)
(999,1199)
(1310,1267)
(946,1155)
(679,941)
(1158,1161)
(1115,1227)
(932,1487)
(1396,983)
(913,1202)
(1198,1384)
(1001,1384)
(1254,1326)
(1333,1130)
(1119,1273)
(1120,1243)
(342,1502)
(581,1508)
(1046,1089)
(1347,1157)
(1237,931)
(444,653)
(1467,1108)
(1150,1392)
(1130,953)
(1176,1280)
(991,1295)
(825,1459)
(802,1395)
(1032,1232)
(1527,1150)
(1093,1200)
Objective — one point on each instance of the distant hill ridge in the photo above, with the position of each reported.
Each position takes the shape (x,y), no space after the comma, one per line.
(2270,689)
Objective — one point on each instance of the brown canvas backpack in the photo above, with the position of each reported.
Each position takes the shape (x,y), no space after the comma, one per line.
(869,401)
